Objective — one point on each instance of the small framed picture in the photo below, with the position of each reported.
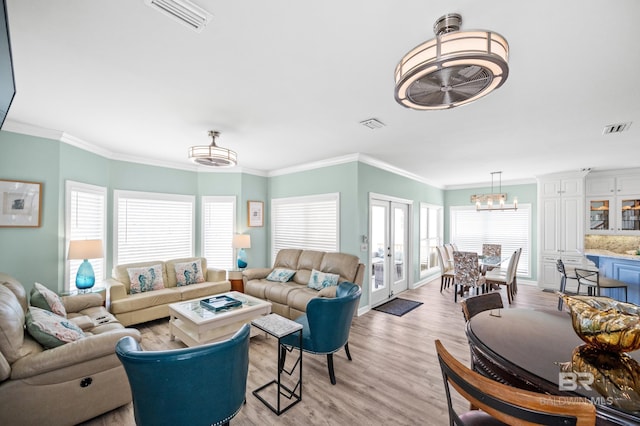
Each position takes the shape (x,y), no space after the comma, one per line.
(20,204)
(255,210)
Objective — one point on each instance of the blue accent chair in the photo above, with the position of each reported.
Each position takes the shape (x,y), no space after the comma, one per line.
(202,385)
(326,325)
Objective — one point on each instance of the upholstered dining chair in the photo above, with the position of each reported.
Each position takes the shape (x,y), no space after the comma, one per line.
(493,402)
(491,250)
(326,325)
(594,281)
(473,305)
(202,385)
(446,268)
(508,278)
(564,276)
(466,273)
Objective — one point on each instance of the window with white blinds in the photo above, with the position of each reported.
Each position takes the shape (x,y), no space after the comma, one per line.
(152,226)
(430,237)
(85,219)
(310,222)
(469,229)
(218,227)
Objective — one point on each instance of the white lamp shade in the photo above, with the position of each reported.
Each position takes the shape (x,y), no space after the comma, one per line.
(241,241)
(85,249)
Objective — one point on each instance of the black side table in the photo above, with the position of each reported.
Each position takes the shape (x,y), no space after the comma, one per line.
(280,327)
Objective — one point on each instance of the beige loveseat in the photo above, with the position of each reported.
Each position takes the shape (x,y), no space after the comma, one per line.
(150,305)
(290,298)
(67,384)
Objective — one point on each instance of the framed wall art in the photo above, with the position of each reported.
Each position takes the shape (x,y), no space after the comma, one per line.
(255,210)
(20,204)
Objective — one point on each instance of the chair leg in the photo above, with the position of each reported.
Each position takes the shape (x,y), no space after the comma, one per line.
(346,349)
(332,375)
(563,284)
(441,283)
(509,295)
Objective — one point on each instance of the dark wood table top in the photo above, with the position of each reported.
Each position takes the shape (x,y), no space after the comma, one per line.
(530,344)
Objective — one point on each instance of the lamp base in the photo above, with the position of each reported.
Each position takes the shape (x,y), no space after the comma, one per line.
(85,277)
(242,259)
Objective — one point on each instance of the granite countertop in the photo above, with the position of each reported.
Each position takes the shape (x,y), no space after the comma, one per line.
(609,253)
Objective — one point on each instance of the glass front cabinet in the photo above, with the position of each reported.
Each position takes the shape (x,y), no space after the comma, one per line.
(614,215)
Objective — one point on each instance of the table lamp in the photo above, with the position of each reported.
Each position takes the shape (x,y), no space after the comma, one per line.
(85,249)
(241,242)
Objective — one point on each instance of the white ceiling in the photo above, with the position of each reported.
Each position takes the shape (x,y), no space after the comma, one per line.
(288,82)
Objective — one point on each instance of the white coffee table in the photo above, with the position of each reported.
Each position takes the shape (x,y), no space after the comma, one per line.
(196,325)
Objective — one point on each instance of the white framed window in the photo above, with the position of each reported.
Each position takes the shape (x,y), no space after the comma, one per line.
(431,235)
(85,219)
(218,227)
(152,226)
(469,229)
(309,222)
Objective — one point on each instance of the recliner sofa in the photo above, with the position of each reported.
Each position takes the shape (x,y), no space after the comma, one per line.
(290,298)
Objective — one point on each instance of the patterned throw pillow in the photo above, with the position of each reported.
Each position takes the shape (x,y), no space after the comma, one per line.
(320,280)
(148,278)
(189,273)
(280,275)
(44,298)
(51,330)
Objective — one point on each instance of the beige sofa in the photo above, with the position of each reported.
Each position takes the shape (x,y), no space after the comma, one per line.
(290,298)
(67,384)
(150,305)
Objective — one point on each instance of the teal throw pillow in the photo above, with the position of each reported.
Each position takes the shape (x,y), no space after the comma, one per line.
(280,275)
(51,330)
(319,280)
(44,298)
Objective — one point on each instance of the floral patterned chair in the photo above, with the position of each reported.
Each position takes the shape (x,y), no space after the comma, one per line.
(466,273)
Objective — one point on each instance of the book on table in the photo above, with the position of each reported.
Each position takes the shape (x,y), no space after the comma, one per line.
(220,303)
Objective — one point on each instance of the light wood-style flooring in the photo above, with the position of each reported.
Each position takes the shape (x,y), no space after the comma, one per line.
(394,378)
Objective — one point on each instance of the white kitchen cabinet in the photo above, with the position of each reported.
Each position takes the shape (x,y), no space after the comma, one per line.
(613,183)
(560,224)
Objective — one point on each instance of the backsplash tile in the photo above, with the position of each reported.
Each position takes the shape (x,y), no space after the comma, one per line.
(615,243)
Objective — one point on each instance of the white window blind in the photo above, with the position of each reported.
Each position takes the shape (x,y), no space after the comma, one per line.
(218,227)
(310,223)
(512,229)
(152,226)
(85,219)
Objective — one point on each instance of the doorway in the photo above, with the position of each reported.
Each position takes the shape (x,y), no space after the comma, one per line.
(389,247)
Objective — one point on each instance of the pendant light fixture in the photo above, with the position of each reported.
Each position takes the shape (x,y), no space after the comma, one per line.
(453,69)
(492,197)
(213,155)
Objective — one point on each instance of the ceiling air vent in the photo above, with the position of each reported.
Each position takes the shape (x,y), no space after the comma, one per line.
(616,128)
(372,123)
(182,11)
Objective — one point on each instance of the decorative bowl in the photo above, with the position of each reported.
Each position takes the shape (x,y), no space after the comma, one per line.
(605,323)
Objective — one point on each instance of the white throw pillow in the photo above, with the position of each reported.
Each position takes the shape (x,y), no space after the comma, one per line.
(148,278)
(280,275)
(319,280)
(189,273)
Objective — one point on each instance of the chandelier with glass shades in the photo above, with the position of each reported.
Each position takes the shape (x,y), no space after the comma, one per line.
(498,198)
(453,69)
(213,155)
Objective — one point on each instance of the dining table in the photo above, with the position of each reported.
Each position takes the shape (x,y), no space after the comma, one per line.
(528,348)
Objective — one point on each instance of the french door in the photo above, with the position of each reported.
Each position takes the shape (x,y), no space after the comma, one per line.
(389,248)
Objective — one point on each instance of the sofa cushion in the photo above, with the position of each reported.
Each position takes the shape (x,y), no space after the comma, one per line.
(147,278)
(170,266)
(307,262)
(281,275)
(298,299)
(343,264)
(11,326)
(136,302)
(188,272)
(320,280)
(287,258)
(195,291)
(44,298)
(51,330)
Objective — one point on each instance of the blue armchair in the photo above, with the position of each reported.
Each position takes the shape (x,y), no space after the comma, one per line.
(326,325)
(202,385)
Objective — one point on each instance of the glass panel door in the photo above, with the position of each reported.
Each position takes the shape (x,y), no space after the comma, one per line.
(379,245)
(630,214)
(599,215)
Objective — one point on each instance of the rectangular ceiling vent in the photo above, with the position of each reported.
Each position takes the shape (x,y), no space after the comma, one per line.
(182,11)
(372,123)
(616,128)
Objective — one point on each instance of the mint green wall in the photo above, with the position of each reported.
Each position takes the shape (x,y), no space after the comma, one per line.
(526,194)
(32,254)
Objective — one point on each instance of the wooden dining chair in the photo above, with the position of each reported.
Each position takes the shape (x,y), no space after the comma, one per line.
(466,273)
(483,302)
(594,281)
(493,402)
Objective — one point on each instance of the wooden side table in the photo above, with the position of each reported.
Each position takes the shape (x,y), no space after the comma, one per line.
(235,277)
